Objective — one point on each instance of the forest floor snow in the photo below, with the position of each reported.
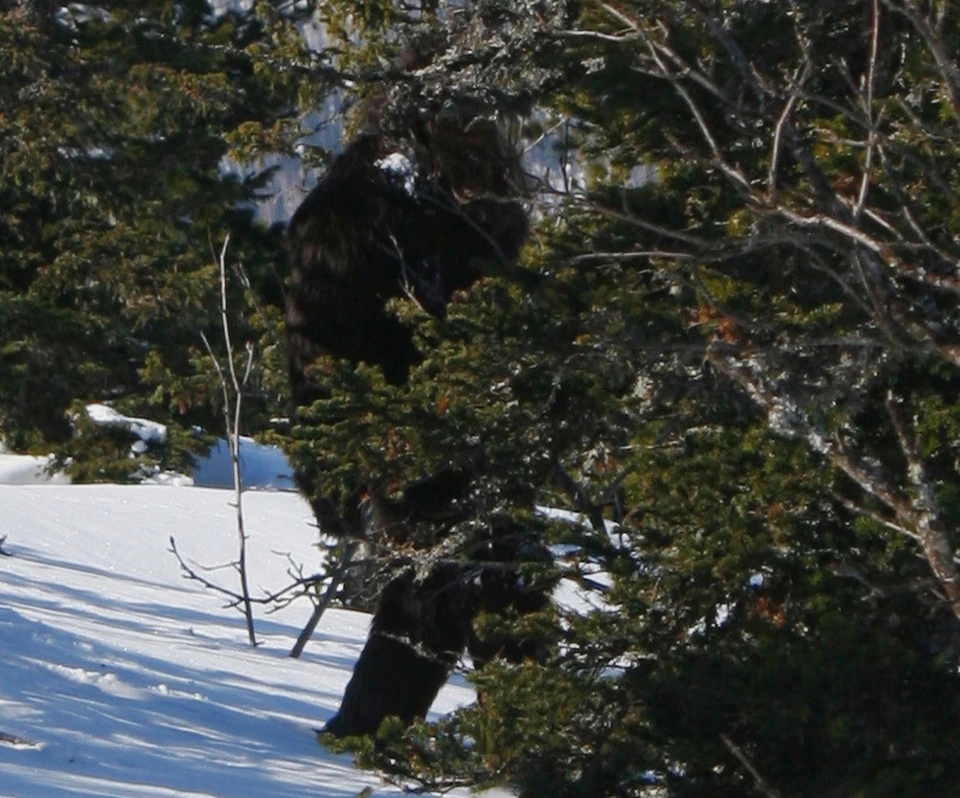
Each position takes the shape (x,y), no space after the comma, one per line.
(121,678)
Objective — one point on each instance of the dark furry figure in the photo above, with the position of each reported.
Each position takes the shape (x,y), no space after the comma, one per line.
(417,634)
(422,626)
(368,233)
(421,215)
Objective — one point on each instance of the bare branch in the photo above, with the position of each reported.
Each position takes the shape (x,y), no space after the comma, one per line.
(244,278)
(621,257)
(220,374)
(734,175)
(927,520)
(868,109)
(759,782)
(632,24)
(297,587)
(231,418)
(782,121)
(690,72)
(824,191)
(642,224)
(616,38)
(193,574)
(336,578)
(873,515)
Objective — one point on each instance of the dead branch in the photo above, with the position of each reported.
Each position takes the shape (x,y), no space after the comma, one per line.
(759,782)
(299,586)
(868,108)
(336,578)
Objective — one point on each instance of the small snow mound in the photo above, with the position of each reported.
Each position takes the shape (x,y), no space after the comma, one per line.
(147,431)
(170,478)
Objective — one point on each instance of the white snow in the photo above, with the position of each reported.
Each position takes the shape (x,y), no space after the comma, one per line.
(120,678)
(147,431)
(399,166)
(18,469)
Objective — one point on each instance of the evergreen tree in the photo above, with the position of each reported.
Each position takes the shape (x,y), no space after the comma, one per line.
(731,351)
(116,121)
(740,373)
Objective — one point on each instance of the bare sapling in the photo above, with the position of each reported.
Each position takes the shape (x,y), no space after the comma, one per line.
(233,385)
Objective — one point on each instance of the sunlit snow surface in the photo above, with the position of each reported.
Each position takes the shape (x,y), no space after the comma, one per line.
(25,470)
(118,677)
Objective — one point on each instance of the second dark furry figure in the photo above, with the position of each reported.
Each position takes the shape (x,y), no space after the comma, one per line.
(419,215)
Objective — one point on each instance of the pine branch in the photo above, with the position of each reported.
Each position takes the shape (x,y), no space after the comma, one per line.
(918,513)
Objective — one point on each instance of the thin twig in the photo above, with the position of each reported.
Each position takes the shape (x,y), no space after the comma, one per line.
(868,110)
(298,586)
(336,578)
(782,121)
(759,781)
(734,175)
(232,415)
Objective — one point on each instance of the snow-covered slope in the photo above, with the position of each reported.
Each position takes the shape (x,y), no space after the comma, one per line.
(118,677)
(25,470)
